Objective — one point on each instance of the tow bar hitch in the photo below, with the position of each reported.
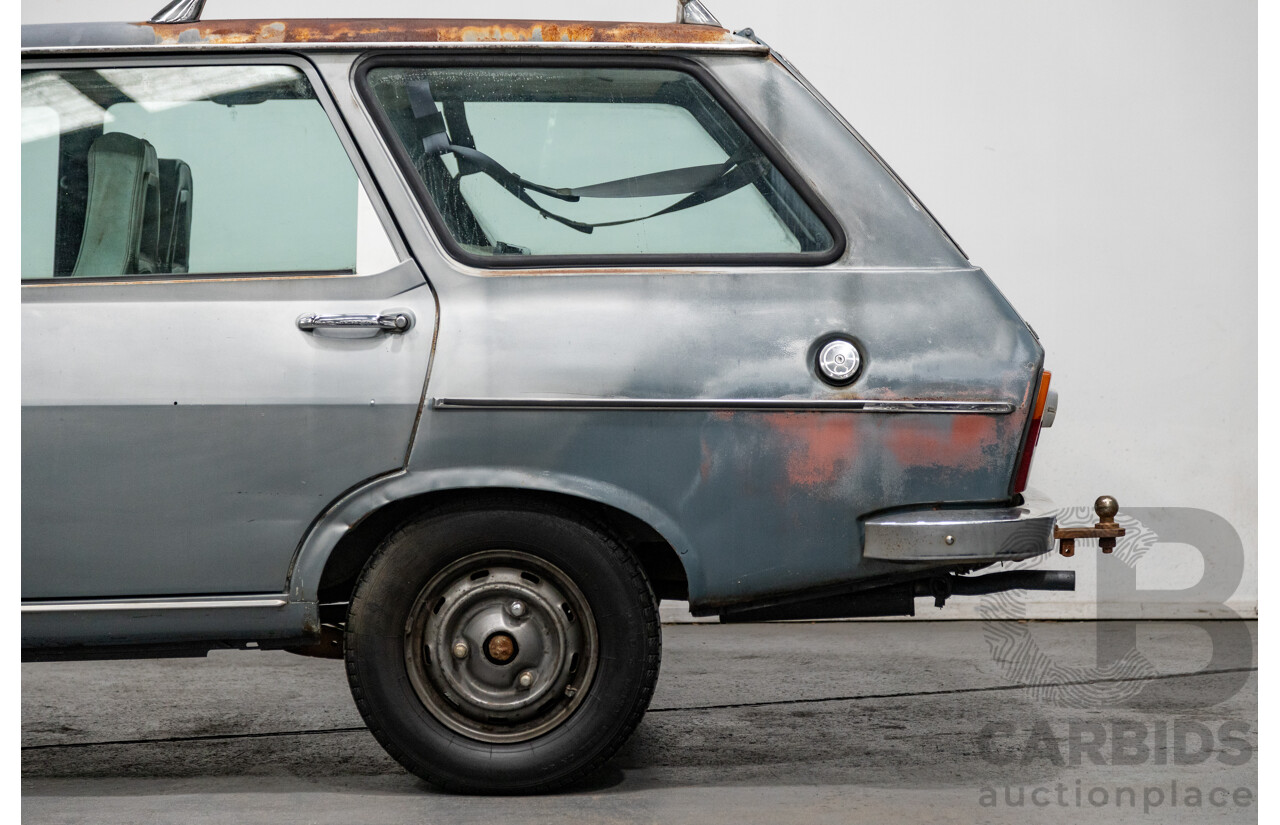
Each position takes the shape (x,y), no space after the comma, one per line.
(1106,531)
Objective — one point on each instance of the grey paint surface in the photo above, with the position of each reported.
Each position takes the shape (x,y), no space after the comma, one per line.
(756,503)
(181,446)
(769,502)
(835,722)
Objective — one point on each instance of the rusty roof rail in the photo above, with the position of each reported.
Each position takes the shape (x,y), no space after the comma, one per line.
(338,33)
(189,11)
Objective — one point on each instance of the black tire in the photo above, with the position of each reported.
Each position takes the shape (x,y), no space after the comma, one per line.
(585,634)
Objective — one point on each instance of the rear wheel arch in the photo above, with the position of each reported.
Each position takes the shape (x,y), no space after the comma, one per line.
(664,567)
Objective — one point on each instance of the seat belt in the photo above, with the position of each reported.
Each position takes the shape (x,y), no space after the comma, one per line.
(459,132)
(701,184)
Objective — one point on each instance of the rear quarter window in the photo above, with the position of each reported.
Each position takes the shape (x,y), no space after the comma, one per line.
(523,164)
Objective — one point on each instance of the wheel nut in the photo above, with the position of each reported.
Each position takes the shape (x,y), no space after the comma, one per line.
(516,609)
(525,679)
(460,650)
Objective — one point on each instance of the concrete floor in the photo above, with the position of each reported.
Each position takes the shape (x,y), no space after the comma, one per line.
(830,722)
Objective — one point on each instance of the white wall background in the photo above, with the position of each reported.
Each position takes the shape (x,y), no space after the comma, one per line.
(1097,157)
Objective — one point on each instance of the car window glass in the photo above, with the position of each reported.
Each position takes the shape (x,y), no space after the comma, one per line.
(196,169)
(589,161)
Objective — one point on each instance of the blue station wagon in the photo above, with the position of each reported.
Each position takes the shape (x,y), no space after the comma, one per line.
(450,347)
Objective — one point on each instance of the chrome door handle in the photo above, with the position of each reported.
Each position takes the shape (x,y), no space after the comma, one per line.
(357,325)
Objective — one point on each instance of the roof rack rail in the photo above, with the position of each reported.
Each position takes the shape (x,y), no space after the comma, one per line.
(189,11)
(179,11)
(692,11)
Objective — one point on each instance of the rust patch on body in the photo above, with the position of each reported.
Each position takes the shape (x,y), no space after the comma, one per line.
(819,448)
(958,441)
(320,30)
(271,33)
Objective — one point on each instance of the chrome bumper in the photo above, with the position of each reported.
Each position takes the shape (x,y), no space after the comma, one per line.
(987,534)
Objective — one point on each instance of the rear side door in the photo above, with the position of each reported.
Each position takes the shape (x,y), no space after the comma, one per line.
(220,336)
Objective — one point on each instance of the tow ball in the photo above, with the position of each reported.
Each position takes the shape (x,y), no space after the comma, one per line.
(1106,531)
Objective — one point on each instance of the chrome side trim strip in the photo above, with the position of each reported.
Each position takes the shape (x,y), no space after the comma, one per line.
(711,404)
(154,604)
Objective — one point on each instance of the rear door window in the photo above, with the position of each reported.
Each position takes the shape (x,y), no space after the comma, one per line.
(184,170)
(521,162)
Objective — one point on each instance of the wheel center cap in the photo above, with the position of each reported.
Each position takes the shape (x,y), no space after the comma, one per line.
(500,648)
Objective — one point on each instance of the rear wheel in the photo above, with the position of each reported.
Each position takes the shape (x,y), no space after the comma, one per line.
(502,650)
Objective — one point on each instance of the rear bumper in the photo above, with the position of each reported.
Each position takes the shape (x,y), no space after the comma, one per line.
(983,534)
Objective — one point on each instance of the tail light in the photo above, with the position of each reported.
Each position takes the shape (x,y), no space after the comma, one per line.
(1033,434)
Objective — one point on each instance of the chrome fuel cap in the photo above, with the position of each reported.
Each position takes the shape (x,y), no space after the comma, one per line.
(838,361)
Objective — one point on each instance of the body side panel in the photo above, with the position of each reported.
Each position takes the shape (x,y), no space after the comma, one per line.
(756,502)
(770,500)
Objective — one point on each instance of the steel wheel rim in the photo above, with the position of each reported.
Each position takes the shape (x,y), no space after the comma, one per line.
(479,692)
